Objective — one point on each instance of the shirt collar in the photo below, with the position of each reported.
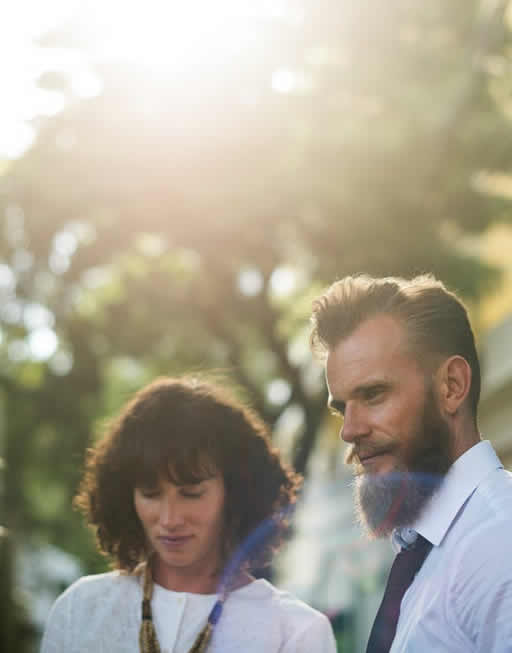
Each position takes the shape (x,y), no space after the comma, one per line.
(463,477)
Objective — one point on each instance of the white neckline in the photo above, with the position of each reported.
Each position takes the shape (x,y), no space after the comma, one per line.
(249,588)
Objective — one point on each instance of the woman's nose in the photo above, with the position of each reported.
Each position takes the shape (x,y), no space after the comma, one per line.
(171,513)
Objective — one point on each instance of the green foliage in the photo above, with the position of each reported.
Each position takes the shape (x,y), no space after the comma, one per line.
(142,212)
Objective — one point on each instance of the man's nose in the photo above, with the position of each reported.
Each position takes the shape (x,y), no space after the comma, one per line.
(355,425)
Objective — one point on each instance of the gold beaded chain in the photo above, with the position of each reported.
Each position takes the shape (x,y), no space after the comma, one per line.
(148,640)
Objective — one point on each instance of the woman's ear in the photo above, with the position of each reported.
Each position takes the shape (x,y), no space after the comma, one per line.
(453,383)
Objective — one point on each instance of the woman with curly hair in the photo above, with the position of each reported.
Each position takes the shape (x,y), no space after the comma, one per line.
(186,496)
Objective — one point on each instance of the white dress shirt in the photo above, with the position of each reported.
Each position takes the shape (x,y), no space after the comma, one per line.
(461,599)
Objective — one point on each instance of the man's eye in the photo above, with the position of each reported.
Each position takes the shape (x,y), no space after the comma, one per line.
(374,393)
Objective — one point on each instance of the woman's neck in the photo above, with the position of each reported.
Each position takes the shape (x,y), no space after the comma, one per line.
(205,582)
(183,580)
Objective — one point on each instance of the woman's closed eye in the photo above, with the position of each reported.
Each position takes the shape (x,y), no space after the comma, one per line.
(191,491)
(149,492)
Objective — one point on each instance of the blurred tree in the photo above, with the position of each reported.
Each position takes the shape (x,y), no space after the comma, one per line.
(171,226)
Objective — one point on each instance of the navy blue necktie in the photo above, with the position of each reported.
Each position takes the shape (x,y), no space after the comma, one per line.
(405,566)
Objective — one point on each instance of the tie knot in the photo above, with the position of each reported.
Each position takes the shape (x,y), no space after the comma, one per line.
(404,538)
(407,563)
(421,544)
(409,537)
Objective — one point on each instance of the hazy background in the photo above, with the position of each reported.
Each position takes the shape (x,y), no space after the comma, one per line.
(179,180)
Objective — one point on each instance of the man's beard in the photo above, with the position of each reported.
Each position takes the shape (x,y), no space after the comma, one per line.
(386,501)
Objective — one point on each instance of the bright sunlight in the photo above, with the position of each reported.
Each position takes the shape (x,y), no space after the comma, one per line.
(172,37)
(167,39)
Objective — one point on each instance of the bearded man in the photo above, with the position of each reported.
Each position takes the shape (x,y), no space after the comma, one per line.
(404,376)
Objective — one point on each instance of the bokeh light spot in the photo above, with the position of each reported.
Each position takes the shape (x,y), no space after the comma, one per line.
(278,392)
(250,281)
(42,343)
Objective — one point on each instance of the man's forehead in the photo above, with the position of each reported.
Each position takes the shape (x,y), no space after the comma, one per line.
(378,335)
(374,353)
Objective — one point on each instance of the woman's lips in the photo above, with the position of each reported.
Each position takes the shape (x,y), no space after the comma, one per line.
(174,540)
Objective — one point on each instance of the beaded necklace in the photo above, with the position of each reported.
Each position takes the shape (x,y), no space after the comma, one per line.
(148,640)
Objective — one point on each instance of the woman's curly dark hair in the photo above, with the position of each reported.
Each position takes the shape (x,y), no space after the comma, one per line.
(186,430)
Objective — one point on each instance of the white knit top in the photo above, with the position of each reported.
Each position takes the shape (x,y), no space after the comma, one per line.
(102,614)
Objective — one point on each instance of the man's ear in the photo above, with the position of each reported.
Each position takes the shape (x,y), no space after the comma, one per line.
(453,383)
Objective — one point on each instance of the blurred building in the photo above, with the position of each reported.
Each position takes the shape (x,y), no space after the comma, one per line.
(496,403)
(329,563)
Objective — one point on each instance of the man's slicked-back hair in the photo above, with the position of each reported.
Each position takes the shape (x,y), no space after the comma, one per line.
(436,320)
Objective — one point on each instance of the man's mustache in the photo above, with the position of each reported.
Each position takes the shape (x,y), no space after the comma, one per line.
(355,454)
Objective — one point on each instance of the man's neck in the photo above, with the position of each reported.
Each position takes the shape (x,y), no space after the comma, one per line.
(465,435)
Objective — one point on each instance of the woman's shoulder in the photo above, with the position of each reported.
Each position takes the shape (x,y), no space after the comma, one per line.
(109,584)
(82,611)
(288,617)
(281,599)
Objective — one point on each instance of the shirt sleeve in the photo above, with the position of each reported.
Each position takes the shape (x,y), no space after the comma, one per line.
(317,636)
(494,615)
(484,603)
(496,620)
(57,634)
